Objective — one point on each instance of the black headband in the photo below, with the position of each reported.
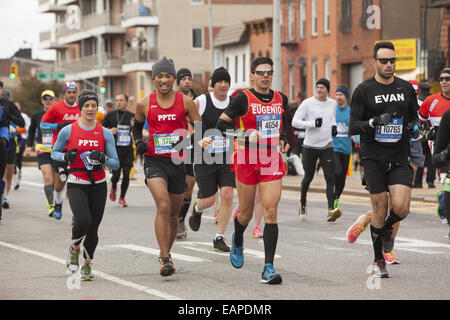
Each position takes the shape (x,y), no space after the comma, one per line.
(84,97)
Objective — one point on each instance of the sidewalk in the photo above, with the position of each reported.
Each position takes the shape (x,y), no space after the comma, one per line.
(353,187)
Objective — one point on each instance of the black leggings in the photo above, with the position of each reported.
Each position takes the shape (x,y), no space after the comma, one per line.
(88,204)
(326,157)
(125,179)
(447,206)
(341,161)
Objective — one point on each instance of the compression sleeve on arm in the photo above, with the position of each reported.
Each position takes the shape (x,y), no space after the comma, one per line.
(137,130)
(112,160)
(61,142)
(31,132)
(47,126)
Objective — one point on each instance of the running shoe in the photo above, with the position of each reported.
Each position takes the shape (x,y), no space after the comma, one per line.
(72,261)
(336,203)
(220,245)
(388,239)
(236,254)
(302,211)
(355,230)
(235,212)
(181,234)
(257,232)
(390,258)
(123,203)
(440,206)
(379,269)
(167,268)
(51,209)
(216,216)
(5,203)
(86,272)
(16,184)
(334,214)
(57,213)
(269,275)
(112,194)
(195,219)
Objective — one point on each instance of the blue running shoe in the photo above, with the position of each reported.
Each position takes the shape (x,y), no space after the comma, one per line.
(269,275)
(57,213)
(236,254)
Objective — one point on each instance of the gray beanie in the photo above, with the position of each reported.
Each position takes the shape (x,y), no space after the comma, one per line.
(163,65)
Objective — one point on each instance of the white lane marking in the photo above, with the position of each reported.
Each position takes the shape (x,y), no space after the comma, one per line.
(41,184)
(408,244)
(106,276)
(156,252)
(254,253)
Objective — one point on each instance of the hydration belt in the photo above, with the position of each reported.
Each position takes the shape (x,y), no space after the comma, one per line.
(88,172)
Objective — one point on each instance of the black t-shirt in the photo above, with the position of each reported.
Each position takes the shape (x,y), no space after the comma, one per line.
(12,114)
(239,105)
(388,143)
(34,125)
(443,135)
(122,121)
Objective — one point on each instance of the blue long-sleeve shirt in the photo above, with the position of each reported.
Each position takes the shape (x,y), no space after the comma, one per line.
(112,161)
(343,142)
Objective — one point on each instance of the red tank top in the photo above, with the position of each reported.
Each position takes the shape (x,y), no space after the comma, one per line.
(266,117)
(165,126)
(60,112)
(86,140)
(433,108)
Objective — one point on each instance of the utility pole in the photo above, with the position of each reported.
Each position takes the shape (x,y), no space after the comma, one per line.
(211,41)
(276,46)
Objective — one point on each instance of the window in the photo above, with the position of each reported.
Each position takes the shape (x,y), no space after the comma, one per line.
(227,63)
(314,73)
(236,68)
(327,67)
(302,19)
(291,22)
(244,63)
(197,38)
(314,17)
(365,15)
(346,19)
(291,83)
(326,17)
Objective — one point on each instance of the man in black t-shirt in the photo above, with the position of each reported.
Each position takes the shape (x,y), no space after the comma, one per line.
(384,113)
(120,122)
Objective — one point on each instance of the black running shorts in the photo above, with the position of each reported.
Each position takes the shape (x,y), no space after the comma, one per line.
(211,177)
(11,159)
(379,175)
(190,169)
(44,158)
(163,167)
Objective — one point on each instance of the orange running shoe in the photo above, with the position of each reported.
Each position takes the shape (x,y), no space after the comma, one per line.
(390,258)
(257,232)
(122,202)
(112,194)
(216,216)
(355,230)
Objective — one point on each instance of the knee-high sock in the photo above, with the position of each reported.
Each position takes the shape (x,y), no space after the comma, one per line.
(270,239)
(377,242)
(49,189)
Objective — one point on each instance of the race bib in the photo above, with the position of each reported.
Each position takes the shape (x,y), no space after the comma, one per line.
(47,139)
(219,144)
(164,142)
(89,163)
(390,133)
(269,125)
(123,137)
(342,130)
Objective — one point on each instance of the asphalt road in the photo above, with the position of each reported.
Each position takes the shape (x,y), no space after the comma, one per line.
(313,256)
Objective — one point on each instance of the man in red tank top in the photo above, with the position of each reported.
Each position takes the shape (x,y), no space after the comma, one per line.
(165,111)
(260,113)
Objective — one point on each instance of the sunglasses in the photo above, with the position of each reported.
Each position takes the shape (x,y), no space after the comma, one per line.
(386,60)
(48,98)
(264,71)
(444,78)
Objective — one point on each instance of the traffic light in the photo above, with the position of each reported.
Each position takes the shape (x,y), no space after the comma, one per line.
(102,85)
(13,71)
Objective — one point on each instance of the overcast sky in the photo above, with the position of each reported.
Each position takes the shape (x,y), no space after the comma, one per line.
(20,24)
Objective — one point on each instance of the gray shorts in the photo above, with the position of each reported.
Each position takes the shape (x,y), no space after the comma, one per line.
(416,153)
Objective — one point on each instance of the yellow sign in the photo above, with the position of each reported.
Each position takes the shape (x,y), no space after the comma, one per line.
(406,53)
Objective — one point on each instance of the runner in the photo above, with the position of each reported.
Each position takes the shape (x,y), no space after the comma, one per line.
(317,115)
(89,147)
(120,122)
(383,112)
(342,142)
(184,81)
(213,170)
(259,117)
(165,111)
(21,137)
(61,114)
(8,113)
(441,158)
(43,149)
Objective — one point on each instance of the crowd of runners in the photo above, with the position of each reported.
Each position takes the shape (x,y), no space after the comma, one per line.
(231,145)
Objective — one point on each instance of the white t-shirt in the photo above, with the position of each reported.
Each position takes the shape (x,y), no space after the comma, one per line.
(306,115)
(217,103)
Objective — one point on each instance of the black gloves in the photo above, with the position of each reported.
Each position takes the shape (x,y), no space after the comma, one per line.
(70,155)
(334,131)
(97,156)
(414,131)
(431,135)
(62,125)
(384,119)
(318,122)
(141,147)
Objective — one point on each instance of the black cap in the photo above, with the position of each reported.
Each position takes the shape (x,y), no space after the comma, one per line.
(324,82)
(183,72)
(220,74)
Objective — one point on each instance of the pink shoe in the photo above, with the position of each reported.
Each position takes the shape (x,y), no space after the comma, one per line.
(390,258)
(257,233)
(355,230)
(235,212)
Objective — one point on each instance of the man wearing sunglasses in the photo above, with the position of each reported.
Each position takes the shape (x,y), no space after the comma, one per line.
(258,115)
(384,113)
(43,148)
